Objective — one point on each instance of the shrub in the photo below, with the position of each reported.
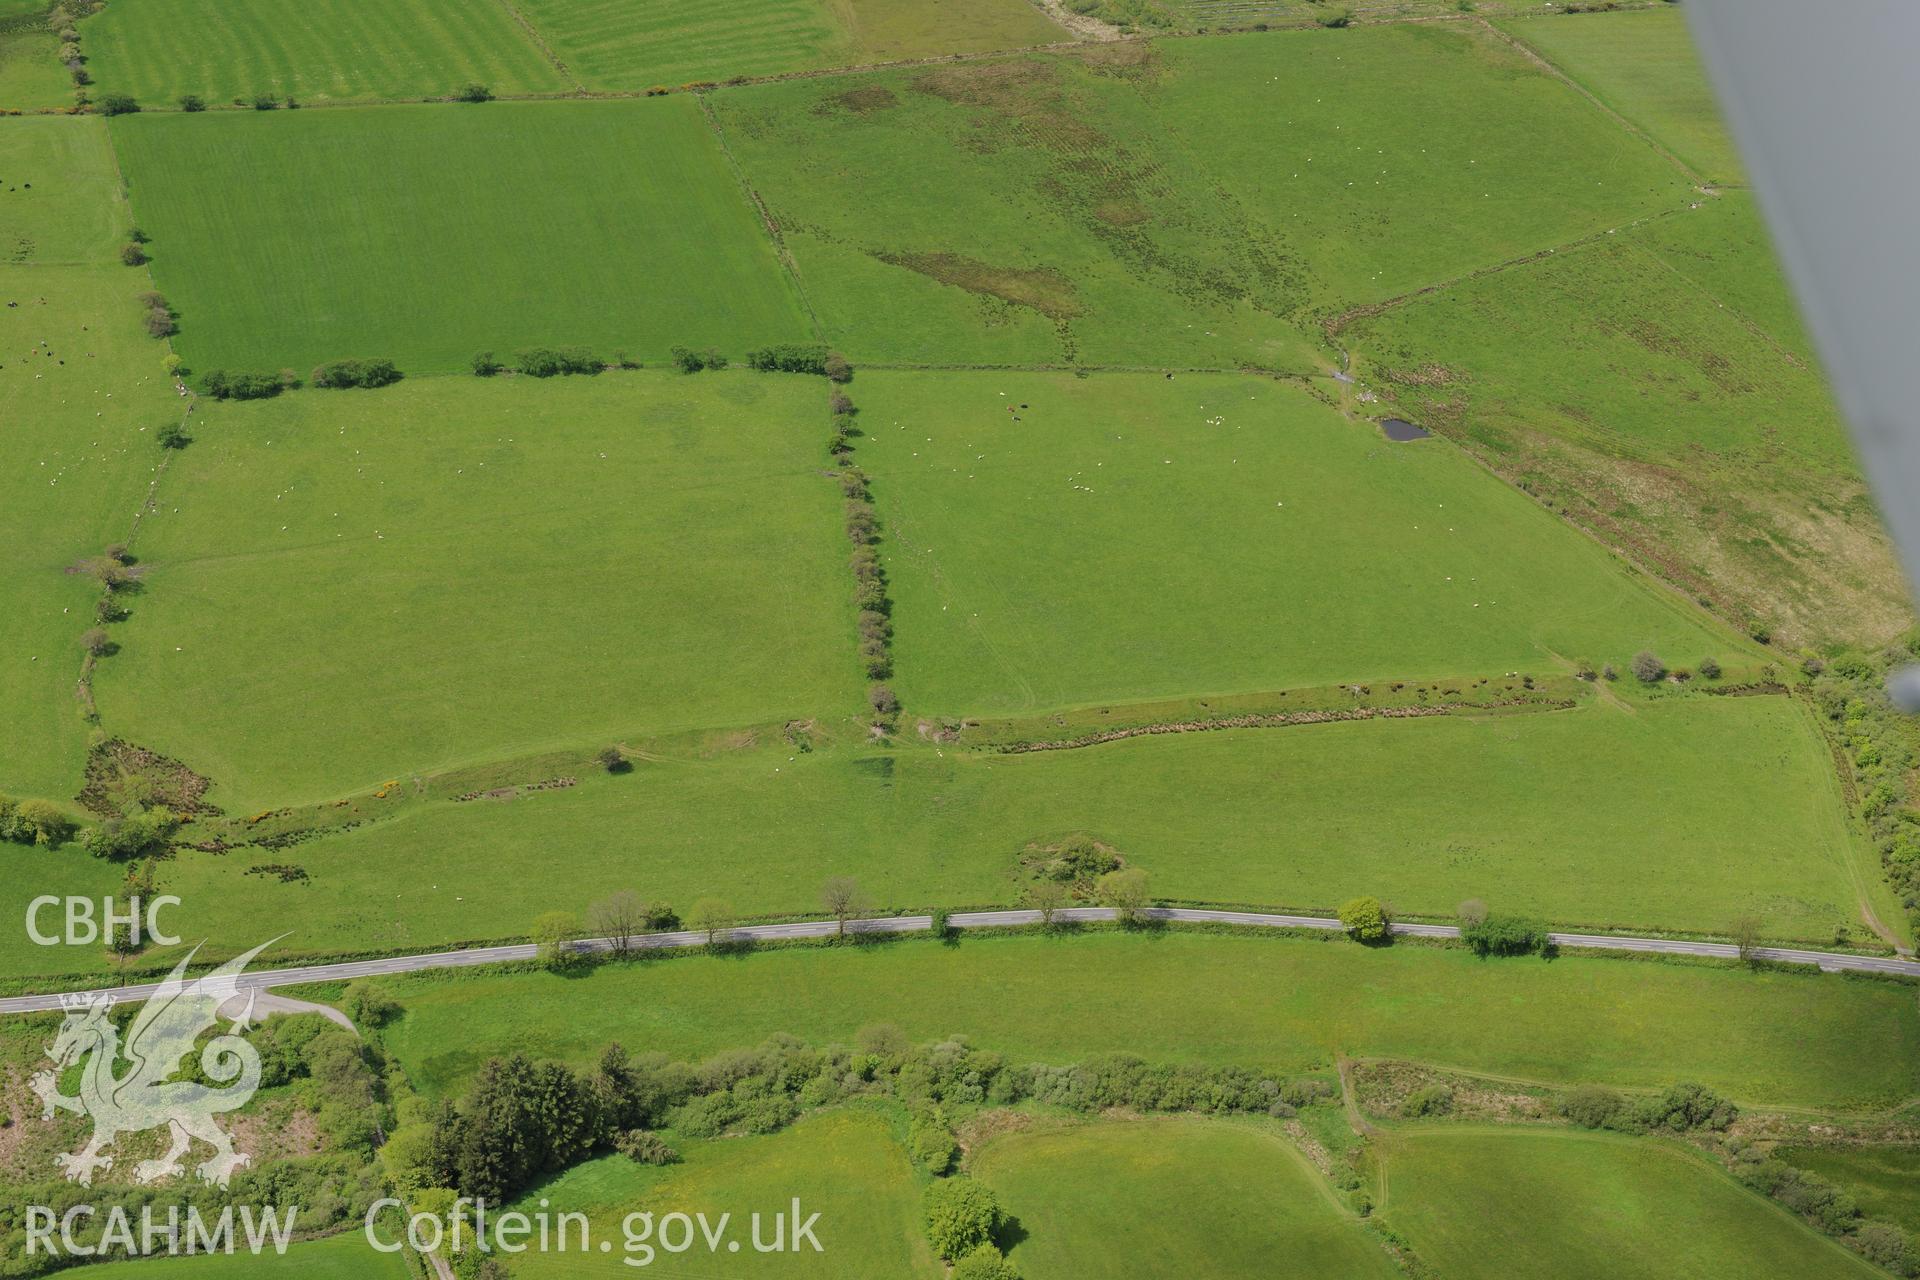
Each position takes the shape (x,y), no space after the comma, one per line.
(160,323)
(552,931)
(1886,1245)
(962,1215)
(1592,1107)
(1608,673)
(1647,668)
(222,385)
(840,403)
(484,365)
(881,699)
(932,1144)
(547,362)
(356,373)
(789,357)
(687,360)
(1684,1107)
(137,835)
(1432,1100)
(118,104)
(1364,919)
(984,1263)
(612,759)
(370,1004)
(96,642)
(863,523)
(45,822)
(265,102)
(132,254)
(192,102)
(1709,668)
(1503,935)
(474,93)
(836,367)
(643,1147)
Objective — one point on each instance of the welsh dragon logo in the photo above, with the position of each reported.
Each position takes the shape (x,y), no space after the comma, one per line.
(145,1095)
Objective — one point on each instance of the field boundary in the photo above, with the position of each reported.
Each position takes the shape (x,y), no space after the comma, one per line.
(1552,68)
(768,223)
(540,43)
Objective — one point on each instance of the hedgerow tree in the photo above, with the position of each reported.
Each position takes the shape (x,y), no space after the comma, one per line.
(1364,919)
(842,898)
(711,916)
(619,918)
(1125,891)
(552,931)
(47,821)
(1048,897)
(1647,668)
(962,1215)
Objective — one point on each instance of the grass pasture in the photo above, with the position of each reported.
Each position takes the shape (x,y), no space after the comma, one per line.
(1477,1205)
(1176,205)
(341,1257)
(608,45)
(844,1164)
(31,74)
(1176,1196)
(1269,1002)
(1644,66)
(81,392)
(1690,422)
(1395,157)
(427,233)
(1332,555)
(1681,816)
(522,565)
(319,52)
(60,195)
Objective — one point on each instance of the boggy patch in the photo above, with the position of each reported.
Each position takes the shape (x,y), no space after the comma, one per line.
(867,100)
(1040,288)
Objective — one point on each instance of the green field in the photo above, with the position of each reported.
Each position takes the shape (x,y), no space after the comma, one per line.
(31,75)
(523,564)
(60,195)
(342,1257)
(1185,204)
(1332,555)
(1396,157)
(1884,1180)
(1683,815)
(315,51)
(617,46)
(1172,1197)
(75,457)
(845,1165)
(424,234)
(1275,1003)
(1690,422)
(1644,66)
(1487,1204)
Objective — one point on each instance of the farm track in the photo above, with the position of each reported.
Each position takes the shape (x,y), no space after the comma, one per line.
(690,939)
